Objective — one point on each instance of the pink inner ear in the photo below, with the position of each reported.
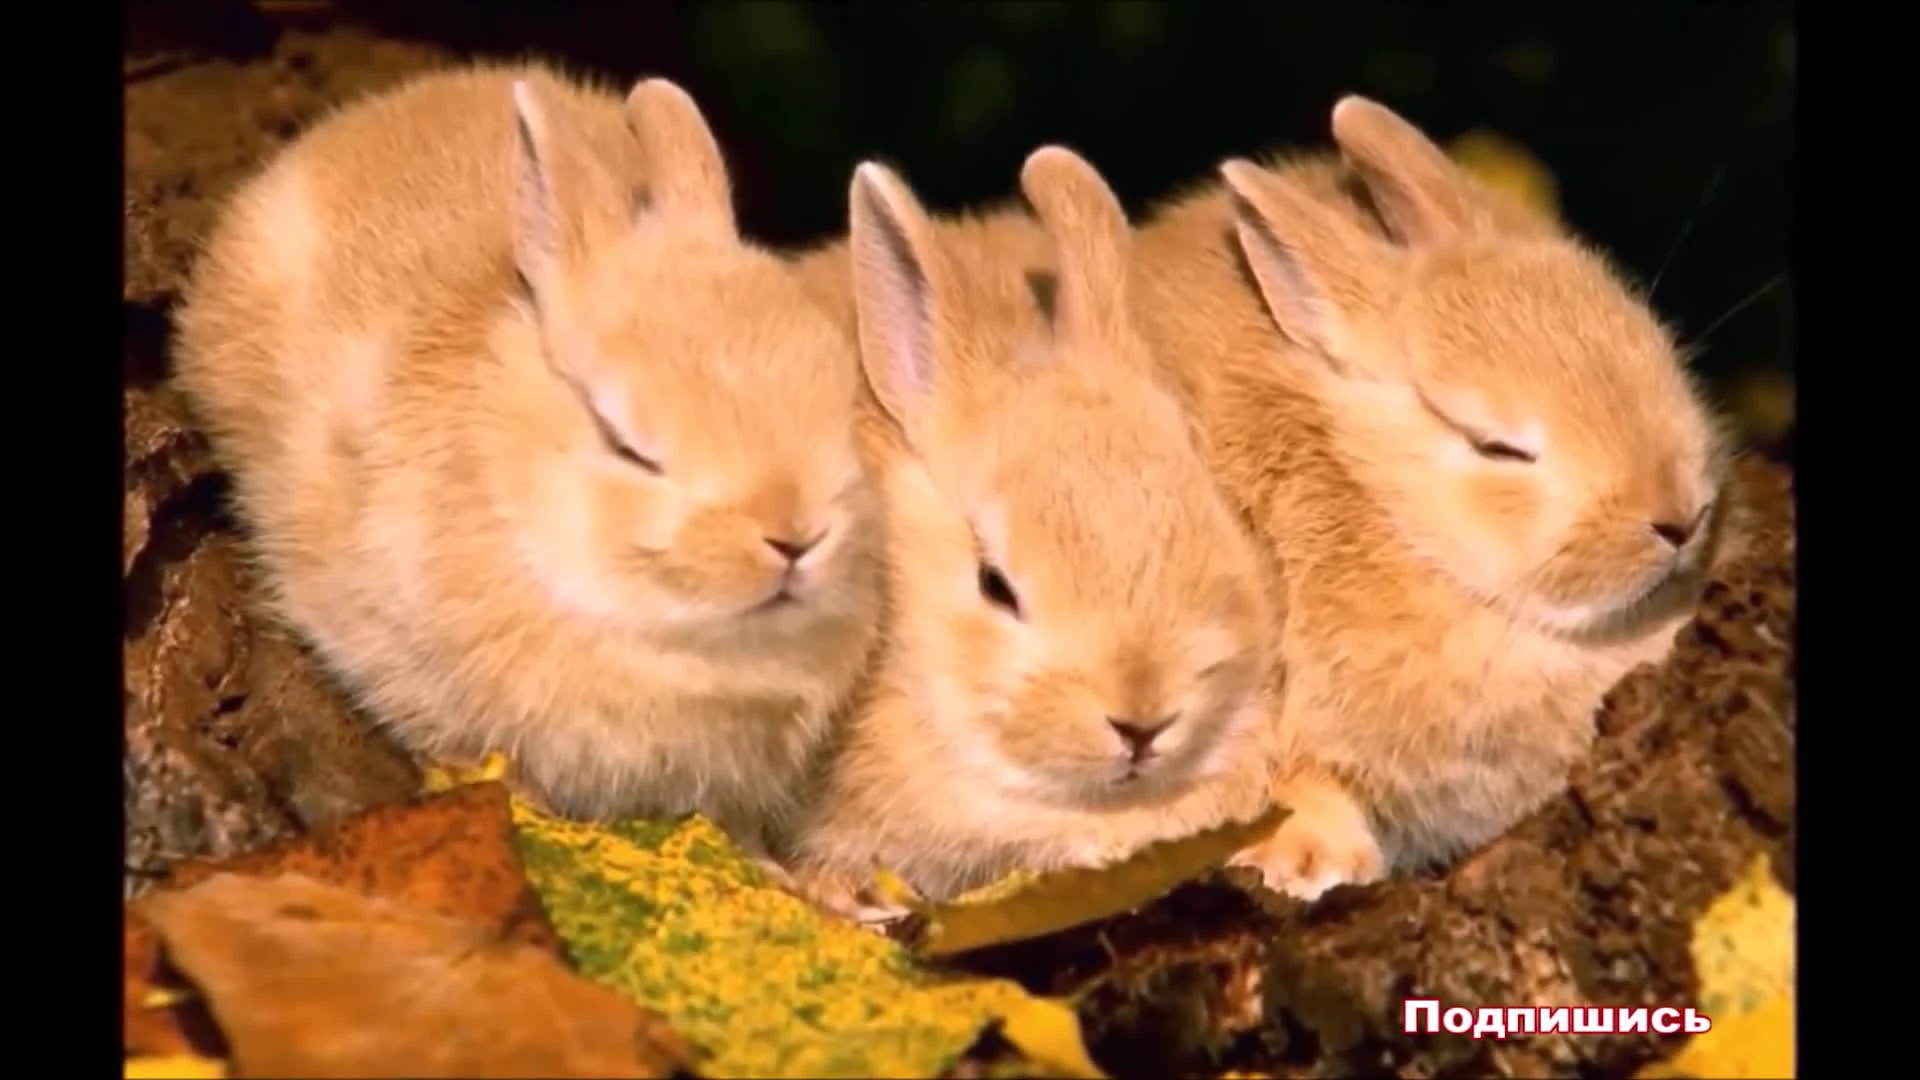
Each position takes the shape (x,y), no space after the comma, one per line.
(1296,301)
(910,344)
(536,223)
(894,303)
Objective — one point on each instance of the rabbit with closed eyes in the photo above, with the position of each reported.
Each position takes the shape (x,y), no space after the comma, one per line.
(1079,633)
(1478,466)
(536,450)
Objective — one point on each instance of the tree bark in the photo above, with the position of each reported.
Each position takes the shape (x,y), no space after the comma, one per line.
(233,737)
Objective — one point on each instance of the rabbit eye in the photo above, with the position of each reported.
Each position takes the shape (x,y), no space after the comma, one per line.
(994,587)
(1491,449)
(1495,450)
(621,450)
(630,456)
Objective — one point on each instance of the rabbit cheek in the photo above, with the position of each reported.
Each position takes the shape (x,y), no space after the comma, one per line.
(986,670)
(571,528)
(1055,731)
(1603,566)
(1215,730)
(630,516)
(719,559)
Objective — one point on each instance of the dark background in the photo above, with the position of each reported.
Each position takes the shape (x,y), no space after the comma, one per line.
(1655,119)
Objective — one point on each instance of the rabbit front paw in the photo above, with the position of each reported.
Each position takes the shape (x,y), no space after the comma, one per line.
(844,896)
(1326,842)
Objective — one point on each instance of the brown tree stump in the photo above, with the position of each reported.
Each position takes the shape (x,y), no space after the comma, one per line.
(233,737)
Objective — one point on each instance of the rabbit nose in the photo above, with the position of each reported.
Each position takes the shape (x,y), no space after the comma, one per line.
(1677,534)
(794,550)
(1139,734)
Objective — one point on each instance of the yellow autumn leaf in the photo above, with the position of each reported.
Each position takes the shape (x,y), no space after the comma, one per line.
(438,777)
(1764,403)
(1743,954)
(672,915)
(893,889)
(994,891)
(175,1067)
(1023,906)
(166,997)
(1048,1032)
(1504,164)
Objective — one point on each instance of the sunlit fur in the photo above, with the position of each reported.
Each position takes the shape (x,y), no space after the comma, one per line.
(406,337)
(1346,328)
(1047,449)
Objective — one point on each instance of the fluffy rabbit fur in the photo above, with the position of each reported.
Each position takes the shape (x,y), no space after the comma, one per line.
(1066,577)
(1483,474)
(536,450)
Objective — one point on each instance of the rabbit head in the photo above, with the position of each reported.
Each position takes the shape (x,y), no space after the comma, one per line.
(689,463)
(1079,613)
(1513,406)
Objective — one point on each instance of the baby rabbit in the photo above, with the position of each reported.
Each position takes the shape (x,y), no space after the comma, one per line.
(1481,471)
(541,455)
(1079,632)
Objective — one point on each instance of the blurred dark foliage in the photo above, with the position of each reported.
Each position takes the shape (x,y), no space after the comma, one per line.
(1657,119)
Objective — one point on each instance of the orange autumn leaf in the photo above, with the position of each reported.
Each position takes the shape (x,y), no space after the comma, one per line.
(451,854)
(316,980)
(149,1031)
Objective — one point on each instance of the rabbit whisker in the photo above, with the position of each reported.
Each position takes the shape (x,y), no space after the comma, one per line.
(1742,304)
(1686,228)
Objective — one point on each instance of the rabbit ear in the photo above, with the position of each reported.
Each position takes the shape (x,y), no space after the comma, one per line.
(565,199)
(1415,187)
(1089,228)
(1423,195)
(686,173)
(897,282)
(1314,267)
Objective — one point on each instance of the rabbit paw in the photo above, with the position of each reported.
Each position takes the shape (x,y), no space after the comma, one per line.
(843,896)
(1325,842)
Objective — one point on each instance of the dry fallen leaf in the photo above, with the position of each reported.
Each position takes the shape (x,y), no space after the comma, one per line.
(452,854)
(1742,950)
(316,980)
(152,1025)
(175,1067)
(1021,908)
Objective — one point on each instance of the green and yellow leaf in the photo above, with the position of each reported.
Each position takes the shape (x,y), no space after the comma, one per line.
(672,915)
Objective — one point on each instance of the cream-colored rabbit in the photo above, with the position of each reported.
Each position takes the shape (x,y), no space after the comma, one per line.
(537,451)
(1080,634)
(1481,469)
